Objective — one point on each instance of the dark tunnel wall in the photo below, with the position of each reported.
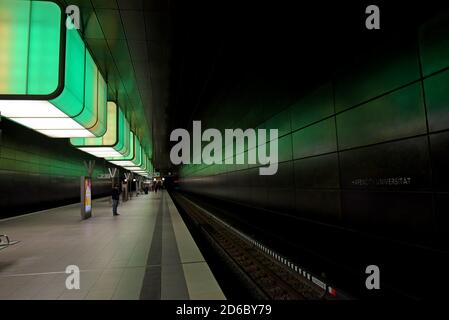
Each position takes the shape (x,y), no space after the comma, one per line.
(366,150)
(37,172)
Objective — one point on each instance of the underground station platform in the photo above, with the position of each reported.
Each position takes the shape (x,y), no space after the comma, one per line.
(223,159)
(144,253)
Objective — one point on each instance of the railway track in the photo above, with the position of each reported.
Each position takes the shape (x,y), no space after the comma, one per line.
(265,273)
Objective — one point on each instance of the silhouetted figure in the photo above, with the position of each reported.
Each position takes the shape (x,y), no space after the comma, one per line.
(115,200)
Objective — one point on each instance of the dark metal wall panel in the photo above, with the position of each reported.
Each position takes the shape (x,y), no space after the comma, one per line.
(440,160)
(130,4)
(320,172)
(437,96)
(284,148)
(318,205)
(37,172)
(281,122)
(134,25)
(434,48)
(281,190)
(383,71)
(397,115)
(314,140)
(104,4)
(399,165)
(313,107)
(111,23)
(259,188)
(442,209)
(239,185)
(401,215)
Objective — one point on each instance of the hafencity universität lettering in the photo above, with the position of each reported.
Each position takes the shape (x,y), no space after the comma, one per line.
(394,181)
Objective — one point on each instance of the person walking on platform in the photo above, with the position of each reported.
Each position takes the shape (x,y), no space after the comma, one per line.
(115,200)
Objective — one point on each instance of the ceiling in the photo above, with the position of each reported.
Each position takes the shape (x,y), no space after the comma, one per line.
(166,60)
(129,40)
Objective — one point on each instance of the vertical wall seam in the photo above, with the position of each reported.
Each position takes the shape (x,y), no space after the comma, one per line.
(429,146)
(340,206)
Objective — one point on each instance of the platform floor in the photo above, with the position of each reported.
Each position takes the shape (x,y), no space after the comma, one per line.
(145,253)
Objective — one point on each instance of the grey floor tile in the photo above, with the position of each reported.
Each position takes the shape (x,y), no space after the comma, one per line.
(113,253)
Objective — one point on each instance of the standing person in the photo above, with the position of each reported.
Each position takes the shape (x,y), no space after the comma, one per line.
(115,200)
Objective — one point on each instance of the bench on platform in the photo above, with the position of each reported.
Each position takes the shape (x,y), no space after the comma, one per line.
(6,242)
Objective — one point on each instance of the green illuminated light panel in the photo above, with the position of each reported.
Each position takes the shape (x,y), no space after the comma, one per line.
(131,160)
(32,92)
(145,169)
(137,161)
(138,167)
(114,143)
(130,147)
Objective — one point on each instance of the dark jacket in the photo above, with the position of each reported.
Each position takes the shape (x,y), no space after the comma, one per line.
(115,194)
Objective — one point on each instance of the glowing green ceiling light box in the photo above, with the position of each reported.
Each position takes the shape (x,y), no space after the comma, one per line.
(146,168)
(48,79)
(137,162)
(130,147)
(114,143)
(142,166)
(132,159)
